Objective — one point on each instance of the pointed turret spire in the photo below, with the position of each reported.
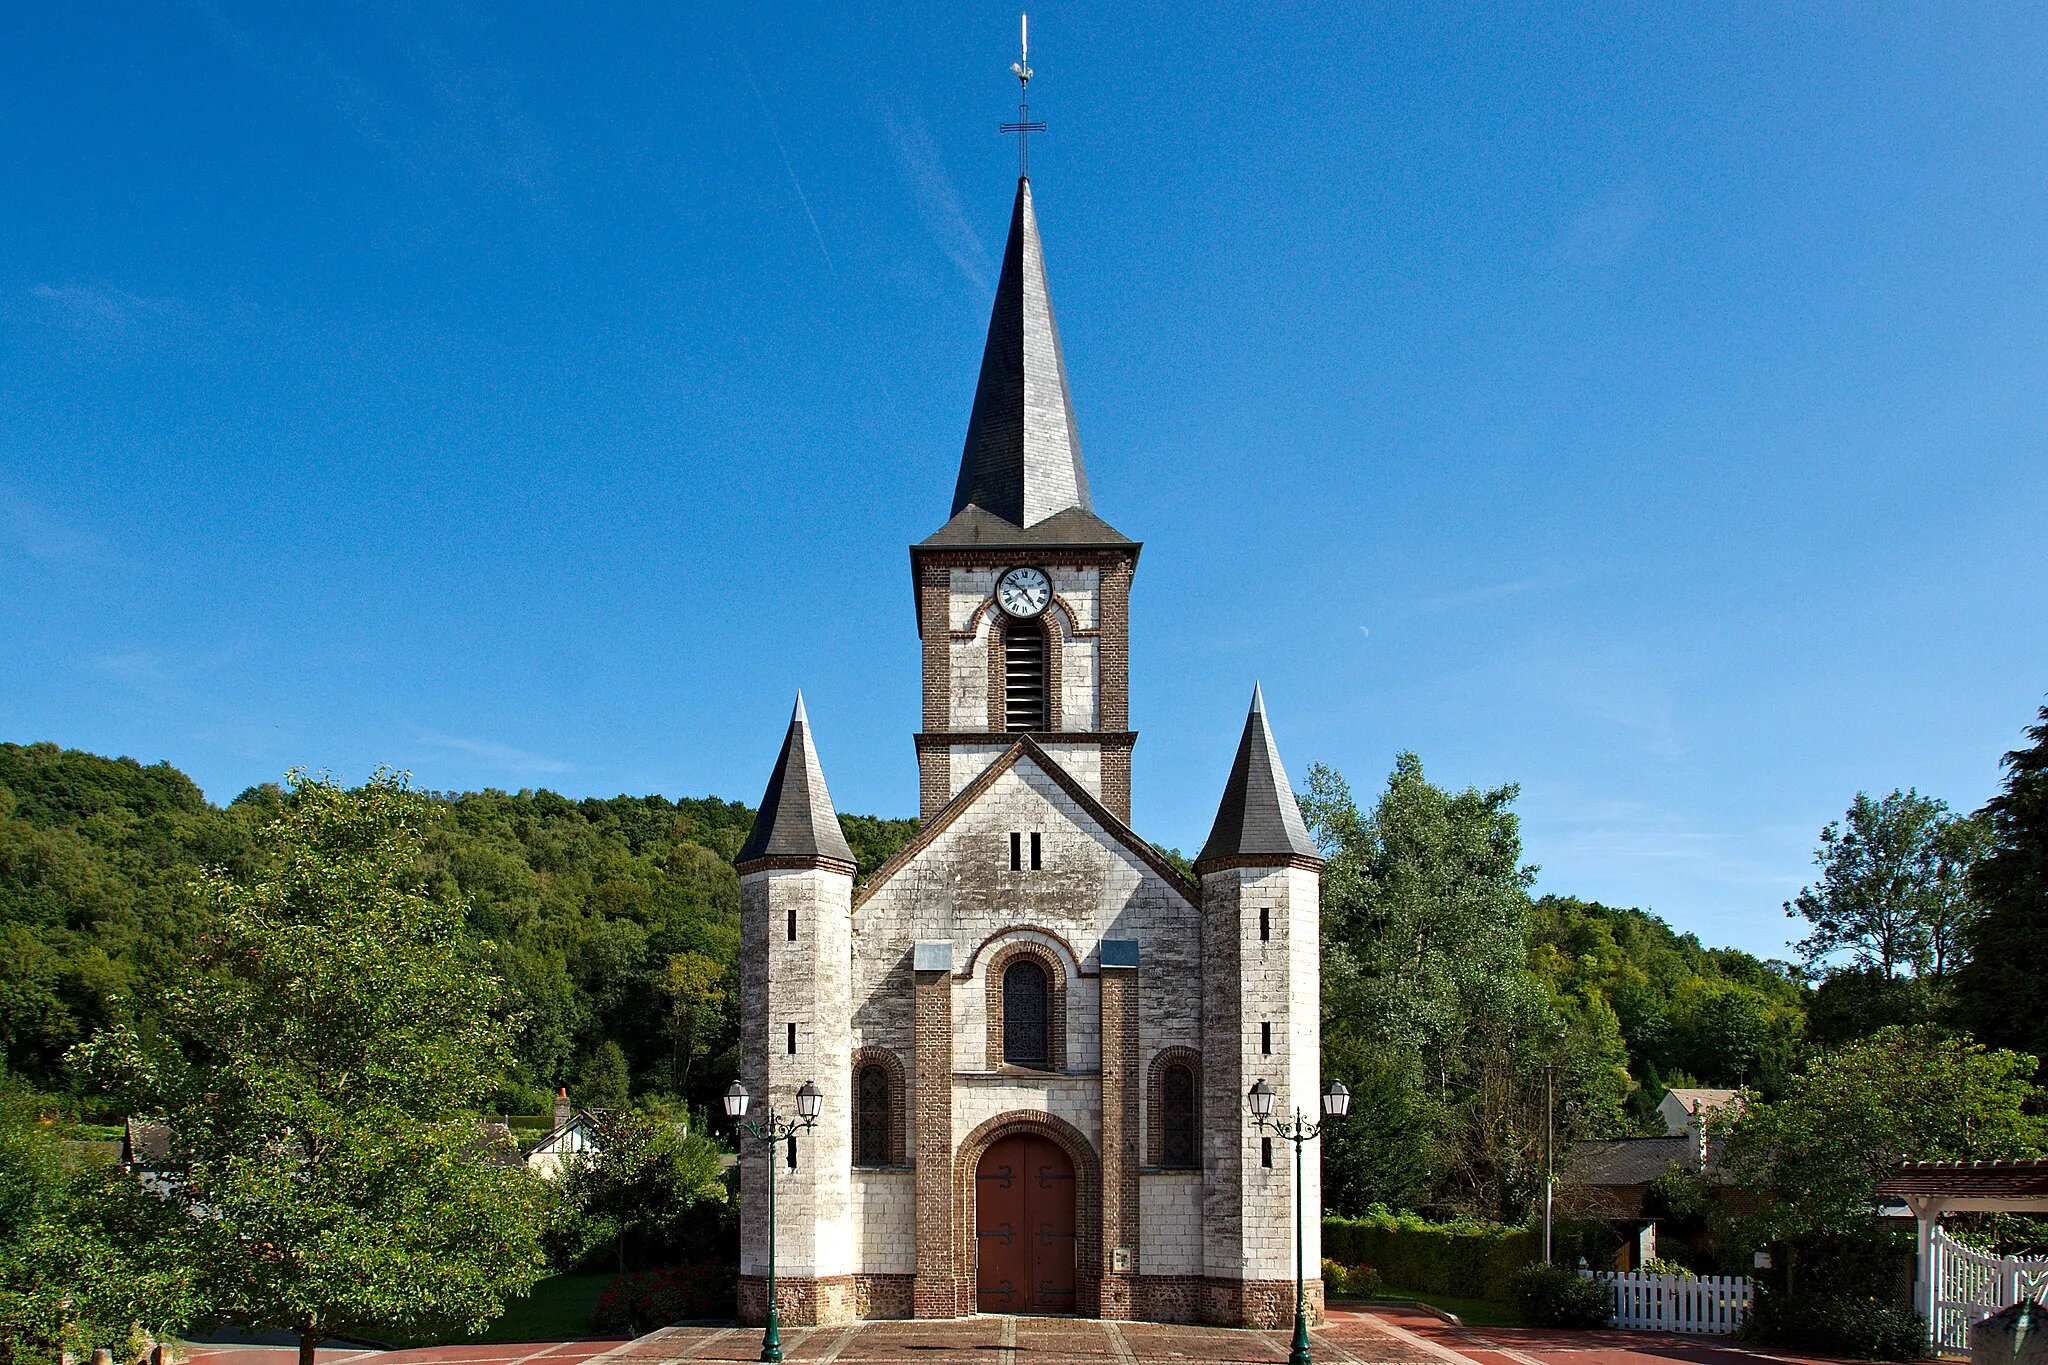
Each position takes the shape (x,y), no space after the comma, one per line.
(1023,456)
(796,818)
(1258,817)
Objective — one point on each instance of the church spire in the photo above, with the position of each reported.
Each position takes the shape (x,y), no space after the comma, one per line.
(1023,456)
(796,820)
(1259,820)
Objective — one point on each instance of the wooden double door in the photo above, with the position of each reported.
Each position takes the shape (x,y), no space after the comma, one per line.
(1024,1227)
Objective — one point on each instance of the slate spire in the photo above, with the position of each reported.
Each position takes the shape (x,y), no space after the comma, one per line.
(797,820)
(1023,456)
(1258,818)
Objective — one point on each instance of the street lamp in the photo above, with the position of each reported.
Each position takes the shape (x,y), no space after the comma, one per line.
(773,1130)
(1297,1130)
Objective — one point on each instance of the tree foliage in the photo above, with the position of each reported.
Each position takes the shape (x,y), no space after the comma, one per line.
(321,1073)
(2002,994)
(1894,892)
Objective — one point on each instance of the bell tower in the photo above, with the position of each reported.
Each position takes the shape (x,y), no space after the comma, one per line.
(1023,597)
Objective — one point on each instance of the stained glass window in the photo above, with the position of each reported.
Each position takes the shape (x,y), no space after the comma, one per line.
(871,1117)
(1024,1014)
(1177,1117)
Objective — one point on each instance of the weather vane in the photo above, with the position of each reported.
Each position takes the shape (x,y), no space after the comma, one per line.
(1023,127)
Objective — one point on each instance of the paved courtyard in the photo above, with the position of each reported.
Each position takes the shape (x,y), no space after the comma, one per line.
(1385,1336)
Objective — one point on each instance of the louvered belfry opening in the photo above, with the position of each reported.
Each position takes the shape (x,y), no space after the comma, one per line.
(1024,677)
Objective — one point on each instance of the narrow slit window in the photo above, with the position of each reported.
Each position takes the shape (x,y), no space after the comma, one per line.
(1265,924)
(1016,852)
(1265,1038)
(1037,852)
(1024,678)
(792,1040)
(792,1151)
(1265,1152)
(792,924)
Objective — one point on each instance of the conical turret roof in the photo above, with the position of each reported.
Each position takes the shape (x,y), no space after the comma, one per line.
(1023,456)
(1259,817)
(796,818)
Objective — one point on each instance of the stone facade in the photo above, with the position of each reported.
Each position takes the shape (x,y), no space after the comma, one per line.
(1025,870)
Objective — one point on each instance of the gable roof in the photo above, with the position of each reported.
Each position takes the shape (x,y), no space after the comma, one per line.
(1259,816)
(1022,461)
(1970,1179)
(796,819)
(972,792)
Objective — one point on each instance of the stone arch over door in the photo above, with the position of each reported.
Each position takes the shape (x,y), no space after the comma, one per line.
(1087,1201)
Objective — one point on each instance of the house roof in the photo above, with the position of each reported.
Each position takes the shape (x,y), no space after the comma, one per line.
(1025,747)
(1627,1162)
(1022,461)
(582,1118)
(1695,1098)
(2021,1180)
(797,820)
(1259,816)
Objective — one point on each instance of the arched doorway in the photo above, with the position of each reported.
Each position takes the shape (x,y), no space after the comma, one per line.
(1024,1227)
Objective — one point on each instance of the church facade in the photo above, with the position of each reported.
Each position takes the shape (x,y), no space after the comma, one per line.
(1034,1035)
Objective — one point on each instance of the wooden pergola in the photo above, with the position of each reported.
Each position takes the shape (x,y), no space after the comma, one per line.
(1930,1189)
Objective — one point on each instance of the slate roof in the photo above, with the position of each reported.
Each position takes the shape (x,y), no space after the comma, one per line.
(971,525)
(797,819)
(1259,816)
(1625,1161)
(1023,456)
(1970,1179)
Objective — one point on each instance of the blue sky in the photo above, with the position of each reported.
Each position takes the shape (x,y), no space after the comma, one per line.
(1641,404)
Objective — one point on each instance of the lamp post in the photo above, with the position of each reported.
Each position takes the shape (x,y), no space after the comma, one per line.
(773,1130)
(1297,1130)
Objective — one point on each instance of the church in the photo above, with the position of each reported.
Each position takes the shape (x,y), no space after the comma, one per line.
(1033,1034)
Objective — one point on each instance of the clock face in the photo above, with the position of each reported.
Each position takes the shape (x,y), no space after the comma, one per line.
(1024,592)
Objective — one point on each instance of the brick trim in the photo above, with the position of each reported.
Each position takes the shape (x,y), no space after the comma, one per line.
(931,741)
(936,1291)
(1113,665)
(1087,1201)
(1055,1003)
(786,863)
(991,608)
(1008,932)
(1112,823)
(1121,1219)
(998,674)
(1234,860)
(1155,1105)
(899,1107)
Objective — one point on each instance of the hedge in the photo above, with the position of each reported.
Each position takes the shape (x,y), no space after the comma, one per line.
(1466,1259)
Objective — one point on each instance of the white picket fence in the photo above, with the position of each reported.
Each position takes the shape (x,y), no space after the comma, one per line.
(1704,1304)
(1971,1285)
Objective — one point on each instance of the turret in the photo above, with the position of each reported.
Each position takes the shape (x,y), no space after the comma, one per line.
(796,908)
(1261,878)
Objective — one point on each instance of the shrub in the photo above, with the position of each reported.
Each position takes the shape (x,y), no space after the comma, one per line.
(1359,1281)
(1657,1265)
(640,1302)
(1471,1259)
(1552,1296)
(1859,1328)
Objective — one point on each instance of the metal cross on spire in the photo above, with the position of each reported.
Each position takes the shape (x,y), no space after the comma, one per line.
(1023,127)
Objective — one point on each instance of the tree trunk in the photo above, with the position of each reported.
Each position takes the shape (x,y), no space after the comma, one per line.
(309,1342)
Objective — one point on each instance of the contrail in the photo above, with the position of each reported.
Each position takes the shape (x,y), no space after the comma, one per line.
(794,183)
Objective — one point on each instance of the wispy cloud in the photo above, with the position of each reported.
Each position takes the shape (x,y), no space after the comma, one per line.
(502,757)
(1472,597)
(449,108)
(938,203)
(775,132)
(40,534)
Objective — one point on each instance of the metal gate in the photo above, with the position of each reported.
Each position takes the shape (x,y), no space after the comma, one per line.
(1968,1285)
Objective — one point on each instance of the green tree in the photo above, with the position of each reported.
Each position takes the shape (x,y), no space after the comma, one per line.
(696,987)
(2003,991)
(605,1083)
(1893,892)
(1816,1157)
(321,1074)
(647,1180)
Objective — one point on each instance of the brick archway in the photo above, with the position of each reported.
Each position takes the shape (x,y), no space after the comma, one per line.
(1087,1201)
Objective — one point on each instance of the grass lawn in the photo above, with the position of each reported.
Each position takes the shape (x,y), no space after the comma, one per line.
(1472,1312)
(558,1309)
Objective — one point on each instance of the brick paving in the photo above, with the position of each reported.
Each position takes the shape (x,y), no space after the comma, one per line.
(1386,1335)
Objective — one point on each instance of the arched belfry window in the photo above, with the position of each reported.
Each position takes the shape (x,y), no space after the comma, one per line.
(1177,1116)
(871,1116)
(1025,992)
(1024,676)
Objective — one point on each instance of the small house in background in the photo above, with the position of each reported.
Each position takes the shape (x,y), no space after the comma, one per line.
(1610,1181)
(573,1138)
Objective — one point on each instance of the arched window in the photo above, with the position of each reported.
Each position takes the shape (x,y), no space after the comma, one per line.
(1024,676)
(1024,1014)
(1177,1116)
(871,1116)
